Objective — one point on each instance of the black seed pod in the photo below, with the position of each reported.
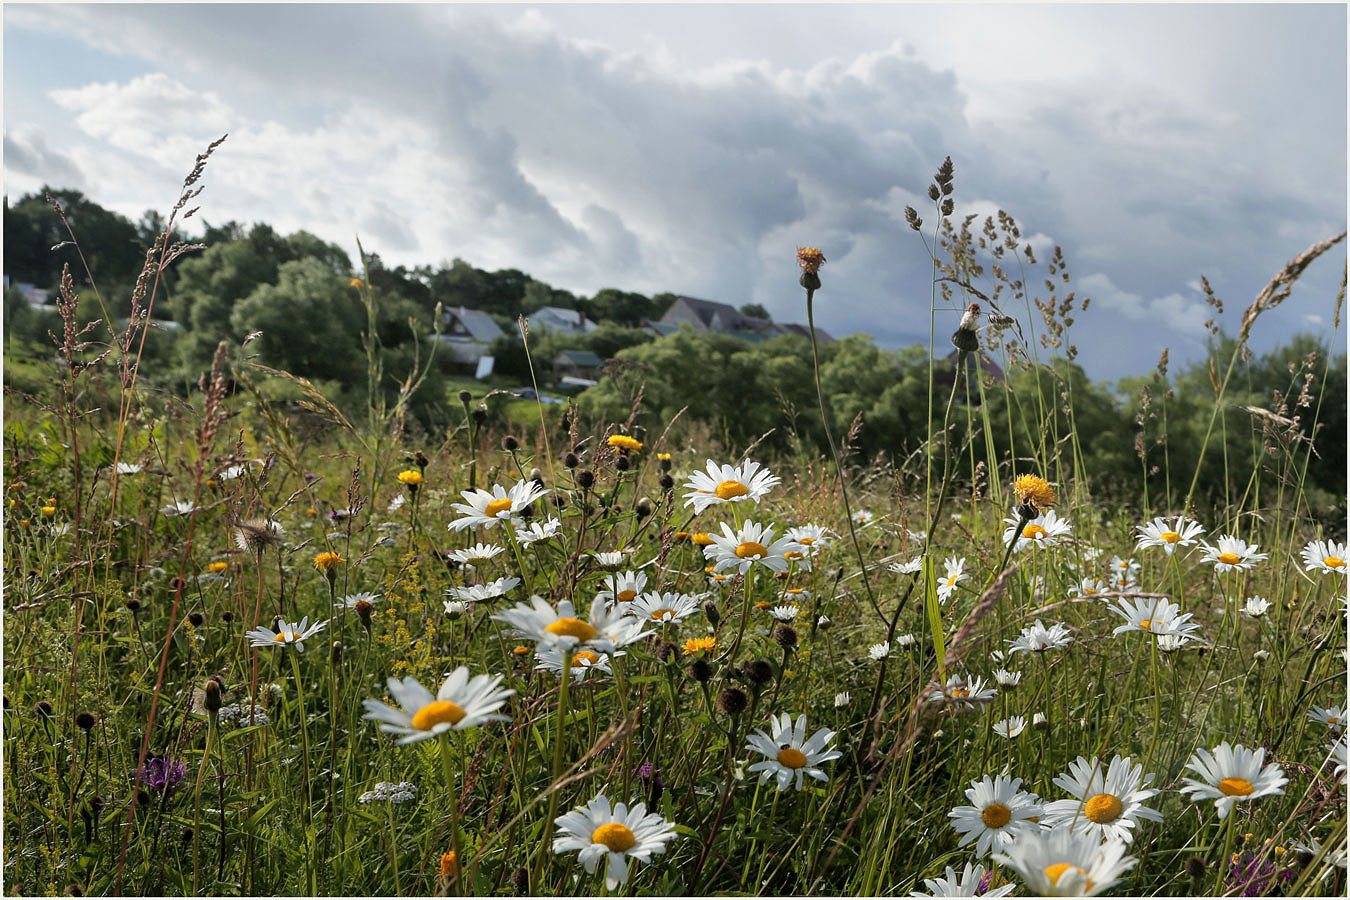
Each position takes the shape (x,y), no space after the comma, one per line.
(701,670)
(732,701)
(520,881)
(85,720)
(643,508)
(44,709)
(785,636)
(510,444)
(570,460)
(585,479)
(667,483)
(465,397)
(758,671)
(227,617)
(622,464)
(710,612)
(211,698)
(480,414)
(132,604)
(196,618)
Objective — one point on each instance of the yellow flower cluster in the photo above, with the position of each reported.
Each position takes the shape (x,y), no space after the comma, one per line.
(328,560)
(410,477)
(625,443)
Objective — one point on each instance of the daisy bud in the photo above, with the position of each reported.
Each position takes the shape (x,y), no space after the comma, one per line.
(732,701)
(85,720)
(211,696)
(643,508)
(480,414)
(510,444)
(758,671)
(336,654)
(785,636)
(570,460)
(585,479)
(702,670)
(667,483)
(520,881)
(966,337)
(710,612)
(196,619)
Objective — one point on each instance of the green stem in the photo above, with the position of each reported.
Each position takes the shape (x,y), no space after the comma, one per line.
(453,797)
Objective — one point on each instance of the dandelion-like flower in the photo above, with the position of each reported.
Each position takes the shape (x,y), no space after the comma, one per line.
(751,543)
(461,703)
(287,634)
(810,259)
(791,754)
(608,628)
(1232,774)
(488,508)
(699,645)
(614,834)
(999,811)
(956,573)
(1045,530)
(1037,638)
(329,560)
(728,484)
(624,443)
(1060,862)
(1107,803)
(1181,532)
(967,885)
(410,477)
(1325,556)
(1232,553)
(1034,493)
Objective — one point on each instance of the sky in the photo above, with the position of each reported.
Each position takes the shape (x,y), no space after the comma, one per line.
(692,148)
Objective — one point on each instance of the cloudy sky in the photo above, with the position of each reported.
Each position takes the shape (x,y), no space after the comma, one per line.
(692,148)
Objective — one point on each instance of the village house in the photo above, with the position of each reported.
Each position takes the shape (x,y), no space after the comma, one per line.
(467,334)
(710,316)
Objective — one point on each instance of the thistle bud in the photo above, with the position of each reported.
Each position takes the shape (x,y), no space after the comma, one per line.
(196,618)
(667,483)
(732,701)
(570,460)
(701,670)
(465,397)
(585,479)
(710,612)
(643,508)
(758,671)
(85,720)
(785,636)
(510,444)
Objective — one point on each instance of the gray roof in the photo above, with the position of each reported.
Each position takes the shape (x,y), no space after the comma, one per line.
(583,358)
(478,323)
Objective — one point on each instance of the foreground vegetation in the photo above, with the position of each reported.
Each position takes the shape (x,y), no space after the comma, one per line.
(257,646)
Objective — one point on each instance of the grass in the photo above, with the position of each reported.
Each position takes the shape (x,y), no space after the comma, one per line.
(126,651)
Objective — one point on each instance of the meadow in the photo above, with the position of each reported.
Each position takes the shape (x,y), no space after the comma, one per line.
(263,647)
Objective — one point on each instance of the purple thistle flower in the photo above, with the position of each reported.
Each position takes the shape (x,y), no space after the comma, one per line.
(162,773)
(1254,876)
(986,882)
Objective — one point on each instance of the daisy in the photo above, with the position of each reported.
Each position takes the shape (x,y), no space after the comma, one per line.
(905,640)
(1331,716)
(583,661)
(487,508)
(1256,607)
(1043,531)
(1155,615)
(1180,533)
(353,601)
(613,835)
(999,811)
(396,504)
(968,885)
(749,544)
(286,633)
(1232,774)
(475,554)
(608,629)
(879,651)
(907,568)
(668,609)
(1107,805)
(1124,572)
(785,613)
(1010,727)
(796,595)
(455,608)
(461,703)
(1091,587)
(728,484)
(181,508)
(812,537)
(842,699)
(609,559)
(1037,638)
(1232,553)
(1060,862)
(863,517)
(964,690)
(622,587)
(129,468)
(1170,643)
(476,593)
(1336,751)
(537,531)
(1324,556)
(1007,679)
(791,754)
(956,573)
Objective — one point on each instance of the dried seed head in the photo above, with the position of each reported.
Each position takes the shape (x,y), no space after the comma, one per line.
(758,671)
(585,479)
(667,483)
(643,507)
(520,881)
(570,460)
(510,444)
(711,613)
(196,618)
(85,720)
(732,701)
(622,464)
(44,709)
(785,636)
(255,535)
(466,398)
(701,670)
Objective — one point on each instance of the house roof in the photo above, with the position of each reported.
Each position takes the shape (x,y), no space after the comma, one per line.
(582,358)
(661,328)
(478,323)
(733,322)
(987,366)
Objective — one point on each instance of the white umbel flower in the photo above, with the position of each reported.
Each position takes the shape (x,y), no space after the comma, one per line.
(1325,556)
(791,754)
(1107,804)
(1060,862)
(1181,532)
(614,834)
(488,508)
(287,634)
(998,811)
(1043,531)
(747,545)
(967,885)
(1232,774)
(1232,553)
(728,484)
(462,702)
(608,628)
(1037,638)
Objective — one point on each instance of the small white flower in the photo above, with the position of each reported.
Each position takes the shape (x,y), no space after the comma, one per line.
(1038,638)
(956,573)
(180,508)
(1232,553)
(863,518)
(477,593)
(1232,774)
(488,508)
(1336,753)
(667,609)
(1043,531)
(905,640)
(609,627)
(1007,679)
(813,537)
(286,634)
(124,468)
(609,559)
(1107,800)
(964,690)
(583,661)
(1260,655)
(1182,532)
(747,545)
(478,553)
(1060,862)
(823,622)
(1155,615)
(728,484)
(461,703)
(967,885)
(455,608)
(537,531)
(600,832)
(622,587)
(1091,587)
(999,811)
(397,503)
(784,613)
(907,568)
(349,601)
(1039,719)
(879,651)
(791,754)
(1332,717)
(1170,643)
(841,699)
(1325,556)
(1010,727)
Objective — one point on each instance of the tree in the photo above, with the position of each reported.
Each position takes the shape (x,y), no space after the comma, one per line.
(756,311)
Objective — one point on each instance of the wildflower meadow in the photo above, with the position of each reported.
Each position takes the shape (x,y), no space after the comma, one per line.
(262,645)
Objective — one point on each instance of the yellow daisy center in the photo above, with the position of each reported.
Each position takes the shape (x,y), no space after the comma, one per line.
(1055,872)
(1231,559)
(961,694)
(284,637)
(750,549)
(729,490)
(1333,720)
(585,657)
(1236,787)
(996,815)
(1170,536)
(1103,808)
(625,596)
(791,757)
(663,614)
(701,538)
(1334,562)
(1146,624)
(763,604)
(807,541)
(614,835)
(569,626)
(792,554)
(497,506)
(437,712)
(1031,532)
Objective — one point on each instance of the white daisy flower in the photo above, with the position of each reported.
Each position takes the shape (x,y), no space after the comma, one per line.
(1256,607)
(842,699)
(784,613)
(609,627)
(1313,848)
(1045,530)
(232,473)
(461,703)
(1010,727)
(1091,587)
(907,568)
(1037,638)
(1060,862)
(537,531)
(879,651)
(286,634)
(791,754)
(823,622)
(964,690)
(795,595)
(612,835)
(1182,532)
(1007,679)
(667,609)
(1324,556)
(1106,805)
(397,503)
(455,608)
(728,484)
(487,508)
(1336,753)
(622,587)
(478,553)
(1038,719)
(180,508)
(477,593)
(1232,553)
(749,544)
(863,518)
(1124,572)
(1232,774)
(967,885)
(813,537)
(1331,716)
(956,573)
(350,601)
(583,661)
(1170,643)
(999,810)
(609,559)
(124,468)
(905,640)
(1155,615)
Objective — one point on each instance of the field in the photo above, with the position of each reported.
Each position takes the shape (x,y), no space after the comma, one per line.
(258,646)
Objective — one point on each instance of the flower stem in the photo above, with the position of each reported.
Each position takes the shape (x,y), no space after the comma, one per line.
(453,802)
